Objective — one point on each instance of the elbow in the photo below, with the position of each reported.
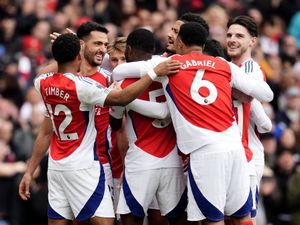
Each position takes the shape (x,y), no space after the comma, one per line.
(166,115)
(265,128)
(115,74)
(270,96)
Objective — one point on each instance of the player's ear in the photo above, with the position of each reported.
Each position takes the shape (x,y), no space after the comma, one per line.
(179,43)
(82,45)
(253,41)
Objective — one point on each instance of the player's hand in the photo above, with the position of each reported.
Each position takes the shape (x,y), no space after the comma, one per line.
(70,31)
(55,35)
(240,96)
(167,67)
(115,86)
(24,186)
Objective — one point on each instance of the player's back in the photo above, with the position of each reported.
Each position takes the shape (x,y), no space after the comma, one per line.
(199,97)
(73,121)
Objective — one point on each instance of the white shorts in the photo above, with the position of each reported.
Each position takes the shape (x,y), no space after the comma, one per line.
(154,204)
(218,183)
(79,194)
(259,173)
(139,188)
(108,178)
(254,183)
(254,192)
(117,189)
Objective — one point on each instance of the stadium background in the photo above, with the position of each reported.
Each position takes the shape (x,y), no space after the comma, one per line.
(25,26)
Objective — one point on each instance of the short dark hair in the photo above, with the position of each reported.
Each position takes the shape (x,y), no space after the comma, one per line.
(193,17)
(65,48)
(192,33)
(245,21)
(86,28)
(214,48)
(141,39)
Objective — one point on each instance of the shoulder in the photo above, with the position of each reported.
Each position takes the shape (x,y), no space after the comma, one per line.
(104,72)
(252,67)
(44,76)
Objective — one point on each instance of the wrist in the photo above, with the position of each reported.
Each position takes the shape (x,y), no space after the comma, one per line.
(151,73)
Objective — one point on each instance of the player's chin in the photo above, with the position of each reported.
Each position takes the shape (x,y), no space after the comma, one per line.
(98,62)
(232,53)
(171,48)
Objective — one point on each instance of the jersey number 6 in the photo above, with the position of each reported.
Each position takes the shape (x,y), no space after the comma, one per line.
(199,83)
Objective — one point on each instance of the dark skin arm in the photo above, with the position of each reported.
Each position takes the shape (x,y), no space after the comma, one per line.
(40,148)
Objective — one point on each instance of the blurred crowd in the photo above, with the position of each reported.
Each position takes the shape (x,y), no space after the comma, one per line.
(25,26)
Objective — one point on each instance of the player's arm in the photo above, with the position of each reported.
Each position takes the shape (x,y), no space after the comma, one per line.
(128,94)
(259,117)
(93,93)
(40,148)
(50,68)
(157,110)
(116,117)
(247,84)
(136,69)
(106,63)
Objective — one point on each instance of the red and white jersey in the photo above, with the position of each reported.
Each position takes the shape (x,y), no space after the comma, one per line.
(152,142)
(70,101)
(102,121)
(242,111)
(199,97)
(252,68)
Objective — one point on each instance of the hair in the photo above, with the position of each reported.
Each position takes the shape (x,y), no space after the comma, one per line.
(86,28)
(142,39)
(65,48)
(214,48)
(193,17)
(118,44)
(245,21)
(192,33)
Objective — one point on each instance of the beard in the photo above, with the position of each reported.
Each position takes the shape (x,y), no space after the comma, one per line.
(89,57)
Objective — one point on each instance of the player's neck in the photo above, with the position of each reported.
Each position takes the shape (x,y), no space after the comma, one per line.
(242,58)
(196,49)
(86,69)
(67,68)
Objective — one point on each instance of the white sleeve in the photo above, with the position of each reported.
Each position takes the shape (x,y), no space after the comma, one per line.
(136,69)
(106,63)
(37,81)
(259,117)
(91,92)
(116,111)
(157,110)
(250,86)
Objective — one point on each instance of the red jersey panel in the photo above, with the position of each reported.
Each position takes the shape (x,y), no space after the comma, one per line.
(101,123)
(153,137)
(199,86)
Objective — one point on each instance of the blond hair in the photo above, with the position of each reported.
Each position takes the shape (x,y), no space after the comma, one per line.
(118,44)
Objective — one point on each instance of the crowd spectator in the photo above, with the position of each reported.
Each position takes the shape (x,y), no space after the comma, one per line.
(25,48)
